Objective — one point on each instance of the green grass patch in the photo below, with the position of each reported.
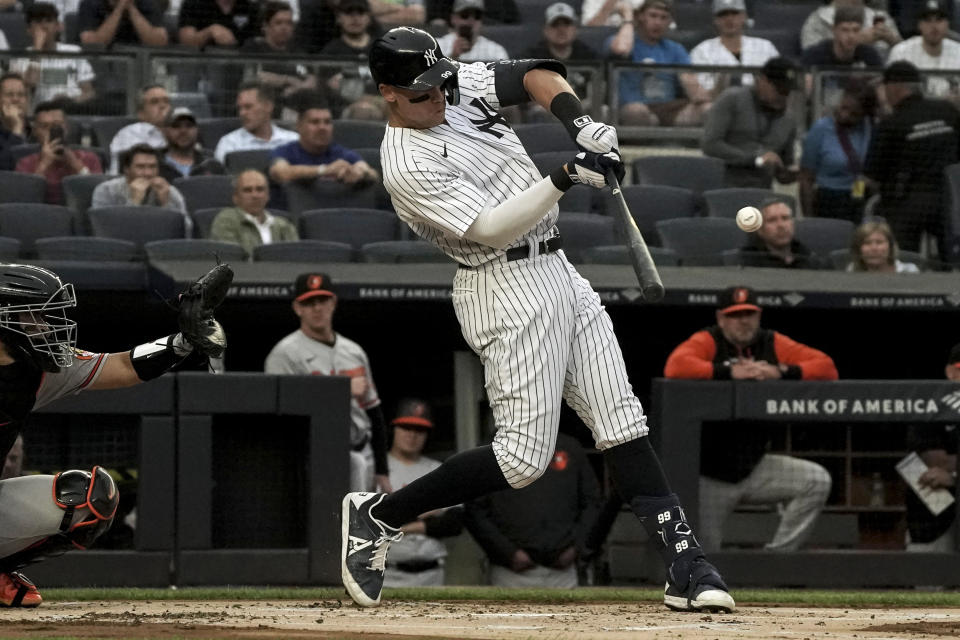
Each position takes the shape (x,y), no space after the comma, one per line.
(768,597)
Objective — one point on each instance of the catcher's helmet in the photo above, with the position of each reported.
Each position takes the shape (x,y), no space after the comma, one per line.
(33,318)
(411,59)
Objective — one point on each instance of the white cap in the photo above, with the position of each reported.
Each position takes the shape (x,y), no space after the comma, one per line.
(719,6)
(559,10)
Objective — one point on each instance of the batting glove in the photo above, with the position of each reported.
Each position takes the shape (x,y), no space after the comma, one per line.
(598,138)
(591,168)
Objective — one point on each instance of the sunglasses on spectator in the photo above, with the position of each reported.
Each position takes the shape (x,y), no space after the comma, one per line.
(471,14)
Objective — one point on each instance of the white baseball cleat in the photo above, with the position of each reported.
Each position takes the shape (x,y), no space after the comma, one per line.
(364,544)
(705,597)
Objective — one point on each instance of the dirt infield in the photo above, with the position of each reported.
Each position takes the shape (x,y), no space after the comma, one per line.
(396,620)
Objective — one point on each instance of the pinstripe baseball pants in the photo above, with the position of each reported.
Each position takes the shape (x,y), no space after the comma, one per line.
(542,335)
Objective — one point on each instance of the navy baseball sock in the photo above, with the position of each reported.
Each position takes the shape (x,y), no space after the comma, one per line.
(461,478)
(636,470)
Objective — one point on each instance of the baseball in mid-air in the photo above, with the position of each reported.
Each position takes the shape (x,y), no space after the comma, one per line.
(749,219)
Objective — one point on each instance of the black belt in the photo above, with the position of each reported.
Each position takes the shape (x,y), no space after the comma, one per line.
(549,245)
(415,566)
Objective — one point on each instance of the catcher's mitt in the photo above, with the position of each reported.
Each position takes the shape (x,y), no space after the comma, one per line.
(197,304)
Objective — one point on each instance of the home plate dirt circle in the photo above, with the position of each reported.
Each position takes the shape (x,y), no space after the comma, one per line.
(448,620)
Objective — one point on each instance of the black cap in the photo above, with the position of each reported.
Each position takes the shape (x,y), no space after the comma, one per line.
(346,5)
(954,358)
(311,285)
(782,74)
(413,413)
(900,71)
(737,299)
(936,8)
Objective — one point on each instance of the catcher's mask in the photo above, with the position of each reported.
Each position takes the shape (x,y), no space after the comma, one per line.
(33,315)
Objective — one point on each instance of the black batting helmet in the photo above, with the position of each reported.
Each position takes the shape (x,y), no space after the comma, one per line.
(33,319)
(411,59)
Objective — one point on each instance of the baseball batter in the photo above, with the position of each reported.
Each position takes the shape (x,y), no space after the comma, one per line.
(460,178)
(41,515)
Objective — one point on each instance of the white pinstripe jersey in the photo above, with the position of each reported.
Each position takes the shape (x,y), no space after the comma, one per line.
(442,178)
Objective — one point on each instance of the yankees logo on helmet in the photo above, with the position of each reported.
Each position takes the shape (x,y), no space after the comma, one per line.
(430,56)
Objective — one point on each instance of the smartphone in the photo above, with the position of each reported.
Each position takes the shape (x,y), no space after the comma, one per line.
(465,31)
(57,133)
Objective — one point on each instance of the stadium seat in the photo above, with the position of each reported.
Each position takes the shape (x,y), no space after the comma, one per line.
(22,187)
(650,203)
(28,221)
(596,37)
(824,235)
(786,40)
(204,192)
(194,249)
(584,230)
(322,194)
(697,173)
(23,150)
(370,155)
(210,130)
(105,128)
(14,27)
(9,249)
(355,227)
(138,224)
(724,203)
(315,251)
(354,134)
(700,241)
(237,161)
(620,254)
(778,15)
(402,251)
(515,38)
(544,136)
(86,248)
(78,191)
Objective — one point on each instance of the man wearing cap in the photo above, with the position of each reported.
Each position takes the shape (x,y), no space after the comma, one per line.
(932,49)
(730,47)
(752,130)
(774,245)
(55,160)
(464,42)
(417,559)
(734,466)
(353,23)
(662,97)
(247,222)
(153,108)
(878,28)
(560,42)
(183,156)
(316,349)
(936,444)
(907,156)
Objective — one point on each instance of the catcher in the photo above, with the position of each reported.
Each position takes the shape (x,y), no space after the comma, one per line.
(40,515)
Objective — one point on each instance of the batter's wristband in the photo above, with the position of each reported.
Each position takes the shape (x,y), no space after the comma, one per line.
(561,179)
(569,111)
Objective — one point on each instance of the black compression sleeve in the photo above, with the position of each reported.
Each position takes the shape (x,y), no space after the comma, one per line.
(508,78)
(569,111)
(561,179)
(152,359)
(378,440)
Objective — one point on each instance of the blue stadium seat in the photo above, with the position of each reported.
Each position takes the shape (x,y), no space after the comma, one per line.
(355,227)
(313,251)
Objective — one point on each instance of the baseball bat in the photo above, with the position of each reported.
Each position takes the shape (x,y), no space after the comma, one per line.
(650,284)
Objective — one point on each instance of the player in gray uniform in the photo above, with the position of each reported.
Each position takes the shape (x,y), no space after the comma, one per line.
(315,349)
(460,178)
(42,515)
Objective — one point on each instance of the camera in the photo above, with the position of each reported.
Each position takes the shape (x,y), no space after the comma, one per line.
(465,31)
(57,133)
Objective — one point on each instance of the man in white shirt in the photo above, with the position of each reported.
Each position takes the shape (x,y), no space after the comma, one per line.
(464,42)
(730,47)
(255,108)
(608,13)
(932,50)
(153,108)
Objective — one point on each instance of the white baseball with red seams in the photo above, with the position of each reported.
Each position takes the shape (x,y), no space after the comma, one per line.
(749,219)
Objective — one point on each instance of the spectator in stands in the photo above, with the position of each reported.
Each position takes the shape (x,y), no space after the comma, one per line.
(318,25)
(315,155)
(752,130)
(936,444)
(13,463)
(133,22)
(417,559)
(834,150)
(141,184)
(247,222)
(495,12)
(731,47)
(878,29)
(534,535)
(656,98)
(845,48)
(153,109)
(183,155)
(875,249)
(353,23)
(464,42)
(69,80)
(394,13)
(933,50)
(774,244)
(284,78)
(908,154)
(608,13)
(55,160)
(14,123)
(735,468)
(222,23)
(317,349)
(255,108)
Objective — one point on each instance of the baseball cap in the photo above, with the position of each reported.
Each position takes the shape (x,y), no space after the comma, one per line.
(666,5)
(900,71)
(559,10)
(181,112)
(782,74)
(346,5)
(737,299)
(463,5)
(933,7)
(311,285)
(413,413)
(954,358)
(719,6)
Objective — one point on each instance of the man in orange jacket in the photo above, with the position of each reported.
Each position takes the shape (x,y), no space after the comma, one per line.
(735,467)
